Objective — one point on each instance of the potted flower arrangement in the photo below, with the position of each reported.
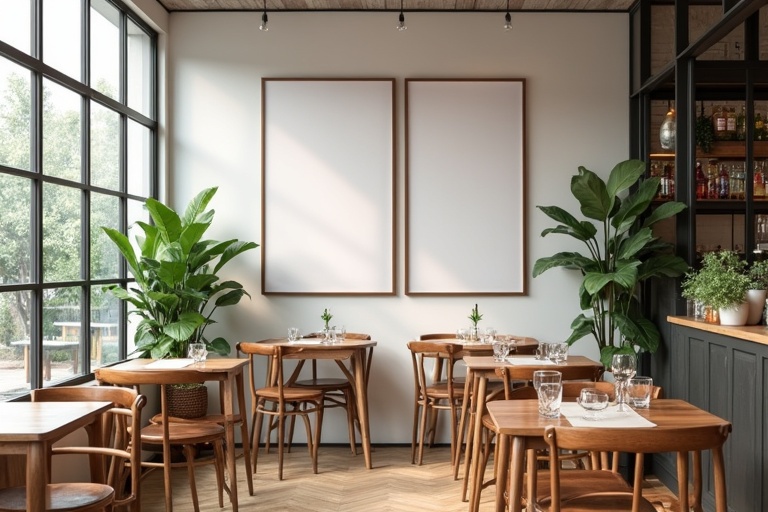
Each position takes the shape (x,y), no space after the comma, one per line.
(721,284)
(474,317)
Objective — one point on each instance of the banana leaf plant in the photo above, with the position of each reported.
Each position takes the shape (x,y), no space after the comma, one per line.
(621,253)
(177,289)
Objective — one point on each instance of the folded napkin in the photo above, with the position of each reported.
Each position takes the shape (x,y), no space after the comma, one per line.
(528,361)
(163,364)
(609,418)
(306,341)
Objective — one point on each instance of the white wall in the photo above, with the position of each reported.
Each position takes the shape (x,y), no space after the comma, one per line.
(577,105)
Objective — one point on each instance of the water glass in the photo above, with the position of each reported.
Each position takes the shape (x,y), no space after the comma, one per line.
(593,401)
(293,333)
(329,335)
(461,334)
(542,352)
(197,352)
(639,392)
(550,392)
(490,335)
(558,352)
(500,350)
(341,333)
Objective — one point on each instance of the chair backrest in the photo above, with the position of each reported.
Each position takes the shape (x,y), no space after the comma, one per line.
(571,388)
(437,336)
(121,451)
(442,355)
(275,355)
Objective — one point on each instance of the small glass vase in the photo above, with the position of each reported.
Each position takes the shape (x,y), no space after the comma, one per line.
(473,333)
(711,315)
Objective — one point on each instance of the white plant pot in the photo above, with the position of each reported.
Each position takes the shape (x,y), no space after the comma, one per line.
(756,299)
(736,315)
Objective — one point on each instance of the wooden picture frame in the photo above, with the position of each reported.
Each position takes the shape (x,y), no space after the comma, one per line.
(465,187)
(328,186)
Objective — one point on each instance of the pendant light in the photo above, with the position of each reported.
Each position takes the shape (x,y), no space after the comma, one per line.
(507,19)
(668,130)
(401,19)
(264,19)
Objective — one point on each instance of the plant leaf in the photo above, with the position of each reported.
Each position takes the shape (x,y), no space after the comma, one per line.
(197,205)
(581,326)
(632,245)
(590,191)
(624,175)
(167,221)
(664,211)
(582,230)
(562,259)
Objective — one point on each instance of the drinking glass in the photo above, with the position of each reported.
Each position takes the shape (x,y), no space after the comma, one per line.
(197,352)
(293,333)
(549,388)
(542,351)
(623,367)
(639,392)
(593,401)
(341,333)
(558,352)
(500,350)
(490,335)
(461,334)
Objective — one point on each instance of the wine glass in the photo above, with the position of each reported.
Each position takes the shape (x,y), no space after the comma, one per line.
(623,368)
(593,401)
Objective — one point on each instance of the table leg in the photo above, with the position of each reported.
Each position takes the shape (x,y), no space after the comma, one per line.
(502,467)
(532,482)
(462,428)
(361,395)
(229,426)
(479,400)
(244,431)
(470,433)
(36,476)
(516,474)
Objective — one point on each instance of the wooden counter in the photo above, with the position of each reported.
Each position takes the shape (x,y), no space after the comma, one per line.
(756,333)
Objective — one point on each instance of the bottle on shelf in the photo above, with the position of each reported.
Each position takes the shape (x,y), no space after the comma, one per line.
(724,183)
(713,181)
(759,127)
(741,124)
(759,181)
(719,123)
(701,182)
(730,123)
(668,181)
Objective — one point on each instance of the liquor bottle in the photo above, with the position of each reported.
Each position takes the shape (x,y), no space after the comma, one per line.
(656,173)
(759,181)
(669,172)
(719,123)
(741,124)
(759,127)
(701,182)
(713,185)
(664,183)
(724,183)
(730,123)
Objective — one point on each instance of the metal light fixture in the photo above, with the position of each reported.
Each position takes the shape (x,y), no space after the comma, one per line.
(264,19)
(507,19)
(668,130)
(401,19)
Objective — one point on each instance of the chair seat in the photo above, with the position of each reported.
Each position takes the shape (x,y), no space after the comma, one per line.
(60,497)
(290,394)
(441,391)
(604,502)
(183,433)
(577,482)
(324,383)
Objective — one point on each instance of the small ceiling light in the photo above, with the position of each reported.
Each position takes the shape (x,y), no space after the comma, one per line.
(507,19)
(264,19)
(401,19)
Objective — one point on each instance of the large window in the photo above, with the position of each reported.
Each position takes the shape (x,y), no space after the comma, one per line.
(77,152)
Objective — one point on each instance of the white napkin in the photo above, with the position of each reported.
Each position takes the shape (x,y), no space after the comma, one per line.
(162,364)
(308,342)
(609,418)
(528,361)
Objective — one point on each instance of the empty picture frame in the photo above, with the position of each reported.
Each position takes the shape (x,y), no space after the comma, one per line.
(328,186)
(465,223)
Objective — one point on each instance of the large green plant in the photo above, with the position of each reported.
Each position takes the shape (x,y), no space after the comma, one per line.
(177,289)
(621,253)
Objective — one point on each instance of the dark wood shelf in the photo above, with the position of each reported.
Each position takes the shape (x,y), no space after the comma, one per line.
(724,149)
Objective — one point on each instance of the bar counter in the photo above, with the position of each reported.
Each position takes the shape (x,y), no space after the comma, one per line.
(757,333)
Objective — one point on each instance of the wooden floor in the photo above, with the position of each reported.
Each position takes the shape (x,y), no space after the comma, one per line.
(343,484)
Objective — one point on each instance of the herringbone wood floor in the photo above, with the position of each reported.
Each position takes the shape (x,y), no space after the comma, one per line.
(342,484)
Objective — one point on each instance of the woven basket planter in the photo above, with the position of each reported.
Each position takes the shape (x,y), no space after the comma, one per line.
(187,402)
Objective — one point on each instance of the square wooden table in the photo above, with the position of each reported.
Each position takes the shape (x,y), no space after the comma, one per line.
(30,428)
(229,373)
(520,425)
(482,368)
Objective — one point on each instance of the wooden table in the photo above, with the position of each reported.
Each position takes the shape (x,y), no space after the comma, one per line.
(229,373)
(520,425)
(479,370)
(30,428)
(99,332)
(359,354)
(50,345)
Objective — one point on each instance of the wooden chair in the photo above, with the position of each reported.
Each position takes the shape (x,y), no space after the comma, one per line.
(119,456)
(278,400)
(338,393)
(431,395)
(168,431)
(682,441)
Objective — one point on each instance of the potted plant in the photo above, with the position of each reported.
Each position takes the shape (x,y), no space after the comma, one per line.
(622,253)
(758,273)
(721,283)
(177,289)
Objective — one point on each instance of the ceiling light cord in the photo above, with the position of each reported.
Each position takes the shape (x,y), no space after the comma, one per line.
(508,19)
(401,19)
(264,19)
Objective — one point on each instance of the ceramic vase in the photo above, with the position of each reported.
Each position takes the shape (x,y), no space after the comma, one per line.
(756,300)
(735,315)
